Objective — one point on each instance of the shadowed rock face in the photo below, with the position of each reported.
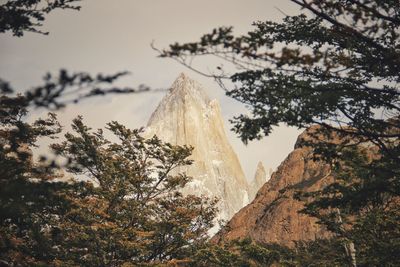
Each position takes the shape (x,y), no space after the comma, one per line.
(186,116)
(273,215)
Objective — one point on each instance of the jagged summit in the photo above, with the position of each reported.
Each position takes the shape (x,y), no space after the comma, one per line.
(260,178)
(261,174)
(183,91)
(186,84)
(187,116)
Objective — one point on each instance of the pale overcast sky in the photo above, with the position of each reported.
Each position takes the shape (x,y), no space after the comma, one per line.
(109,36)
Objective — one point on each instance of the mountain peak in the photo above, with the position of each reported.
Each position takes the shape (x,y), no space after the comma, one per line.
(186,86)
(183,75)
(183,93)
(182,79)
(260,166)
(186,116)
(260,177)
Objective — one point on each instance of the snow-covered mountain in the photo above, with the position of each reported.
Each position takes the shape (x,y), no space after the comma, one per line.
(186,116)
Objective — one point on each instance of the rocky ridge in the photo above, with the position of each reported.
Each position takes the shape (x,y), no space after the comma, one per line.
(273,217)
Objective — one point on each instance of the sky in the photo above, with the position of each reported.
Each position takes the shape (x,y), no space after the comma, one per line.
(109,36)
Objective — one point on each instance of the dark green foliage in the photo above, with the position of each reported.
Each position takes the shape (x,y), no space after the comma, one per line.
(67,88)
(247,253)
(27,201)
(20,16)
(309,70)
(377,237)
(335,65)
(320,253)
(242,253)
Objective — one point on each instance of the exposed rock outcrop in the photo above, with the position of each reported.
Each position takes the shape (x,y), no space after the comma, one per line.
(273,215)
(186,116)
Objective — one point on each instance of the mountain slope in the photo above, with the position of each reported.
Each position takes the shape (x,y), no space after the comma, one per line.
(186,116)
(272,217)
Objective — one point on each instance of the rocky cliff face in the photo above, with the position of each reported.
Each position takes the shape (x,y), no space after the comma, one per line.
(186,116)
(260,178)
(273,215)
